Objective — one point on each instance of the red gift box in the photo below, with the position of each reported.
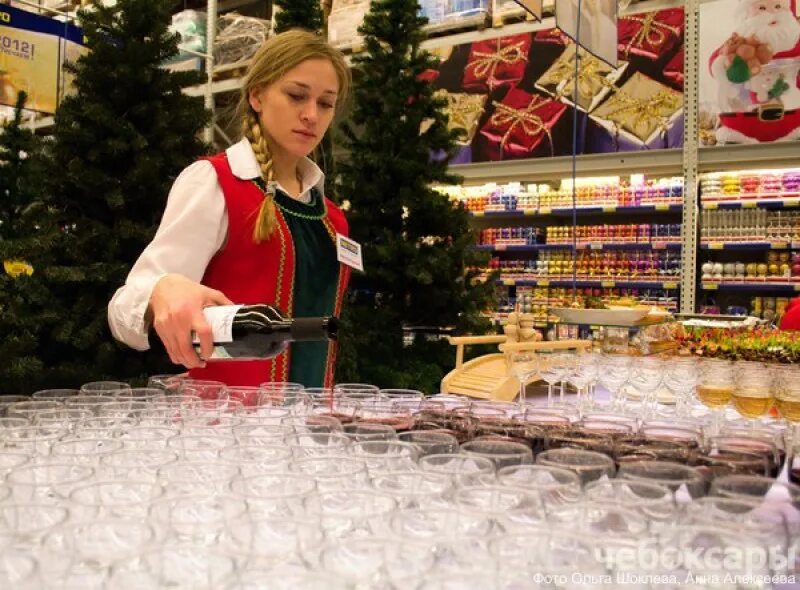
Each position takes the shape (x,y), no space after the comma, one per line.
(552,36)
(497,62)
(651,35)
(674,70)
(520,123)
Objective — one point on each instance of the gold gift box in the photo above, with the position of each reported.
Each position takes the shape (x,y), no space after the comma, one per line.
(464,112)
(595,78)
(642,108)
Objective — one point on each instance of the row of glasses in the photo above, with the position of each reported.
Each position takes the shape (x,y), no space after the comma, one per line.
(319,498)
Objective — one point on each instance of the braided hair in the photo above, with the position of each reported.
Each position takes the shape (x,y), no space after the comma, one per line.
(275,57)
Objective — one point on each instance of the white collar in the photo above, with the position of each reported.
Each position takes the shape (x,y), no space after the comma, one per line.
(245,166)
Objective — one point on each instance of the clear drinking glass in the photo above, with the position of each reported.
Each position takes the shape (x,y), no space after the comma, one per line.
(137,464)
(614,375)
(350,513)
(280,393)
(386,456)
(465,470)
(47,483)
(90,548)
(333,472)
(588,465)
(501,453)
(182,567)
(198,519)
(415,489)
(274,494)
(126,499)
(754,487)
(363,431)
(357,391)
(272,542)
(430,442)
(680,376)
(196,477)
(523,365)
(29,522)
(104,387)
(257,459)
(54,395)
(317,444)
(686,482)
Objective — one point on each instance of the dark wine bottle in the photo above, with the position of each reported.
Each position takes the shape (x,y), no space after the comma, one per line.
(246,332)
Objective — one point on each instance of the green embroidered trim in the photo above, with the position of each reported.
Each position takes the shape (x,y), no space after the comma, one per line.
(315,210)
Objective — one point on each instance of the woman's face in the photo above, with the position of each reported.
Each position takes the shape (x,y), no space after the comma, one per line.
(297,109)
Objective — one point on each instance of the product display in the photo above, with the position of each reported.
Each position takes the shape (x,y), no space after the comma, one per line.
(238,38)
(760,184)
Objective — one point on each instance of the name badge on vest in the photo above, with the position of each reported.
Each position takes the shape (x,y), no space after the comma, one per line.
(349,252)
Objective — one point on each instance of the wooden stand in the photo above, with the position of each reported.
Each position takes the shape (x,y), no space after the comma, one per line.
(488,376)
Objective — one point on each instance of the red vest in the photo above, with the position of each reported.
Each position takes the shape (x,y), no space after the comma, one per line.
(248,273)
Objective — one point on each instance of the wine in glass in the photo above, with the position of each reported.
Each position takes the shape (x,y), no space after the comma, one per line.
(715,389)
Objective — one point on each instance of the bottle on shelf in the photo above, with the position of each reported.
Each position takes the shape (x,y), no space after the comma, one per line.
(246,332)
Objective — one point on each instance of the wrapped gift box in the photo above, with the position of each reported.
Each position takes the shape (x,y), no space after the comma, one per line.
(497,62)
(464,112)
(642,114)
(595,79)
(674,70)
(521,123)
(552,37)
(653,36)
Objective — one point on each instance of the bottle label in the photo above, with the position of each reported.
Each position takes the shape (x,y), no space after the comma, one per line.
(220,318)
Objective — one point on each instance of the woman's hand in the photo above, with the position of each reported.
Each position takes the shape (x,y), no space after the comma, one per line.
(176,305)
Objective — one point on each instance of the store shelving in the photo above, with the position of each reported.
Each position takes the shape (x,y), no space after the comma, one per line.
(587,246)
(580,211)
(584,283)
(750,246)
(787,288)
(774,204)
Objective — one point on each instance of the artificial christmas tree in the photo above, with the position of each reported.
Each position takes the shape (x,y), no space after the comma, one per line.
(119,143)
(417,245)
(303,14)
(28,230)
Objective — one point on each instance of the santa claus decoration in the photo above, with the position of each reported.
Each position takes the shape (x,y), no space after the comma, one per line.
(757,73)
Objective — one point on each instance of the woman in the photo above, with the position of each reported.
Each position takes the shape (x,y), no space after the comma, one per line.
(250,225)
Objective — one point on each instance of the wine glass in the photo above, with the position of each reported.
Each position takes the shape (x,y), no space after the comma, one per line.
(550,370)
(680,376)
(752,395)
(647,375)
(614,374)
(715,389)
(787,400)
(523,365)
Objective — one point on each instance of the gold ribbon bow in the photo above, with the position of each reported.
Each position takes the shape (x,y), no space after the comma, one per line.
(651,31)
(464,111)
(640,114)
(485,64)
(591,76)
(531,123)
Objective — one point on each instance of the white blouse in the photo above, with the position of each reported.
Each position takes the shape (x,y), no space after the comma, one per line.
(192,230)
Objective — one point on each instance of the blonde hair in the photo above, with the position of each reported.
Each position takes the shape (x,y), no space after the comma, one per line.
(274,58)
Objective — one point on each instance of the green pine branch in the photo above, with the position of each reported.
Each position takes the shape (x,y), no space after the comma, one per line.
(417,245)
(303,14)
(120,141)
